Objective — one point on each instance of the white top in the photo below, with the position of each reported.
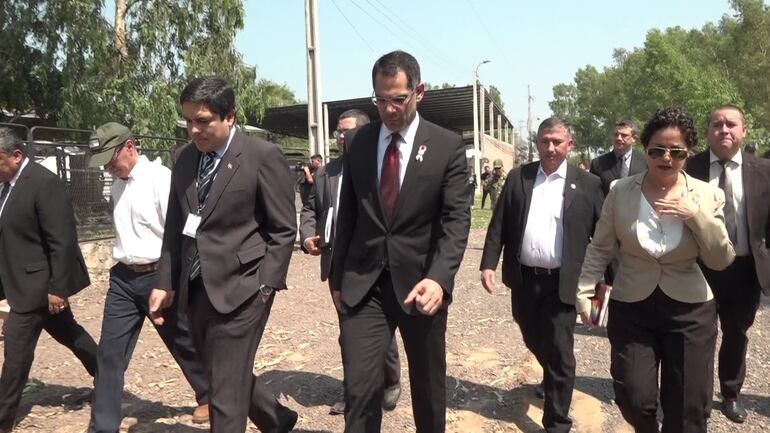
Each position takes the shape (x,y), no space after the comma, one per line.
(139,212)
(405,145)
(657,234)
(12,182)
(543,238)
(735,172)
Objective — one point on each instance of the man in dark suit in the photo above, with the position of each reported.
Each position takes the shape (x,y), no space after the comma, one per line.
(41,266)
(543,226)
(622,160)
(317,230)
(229,232)
(403,226)
(745,180)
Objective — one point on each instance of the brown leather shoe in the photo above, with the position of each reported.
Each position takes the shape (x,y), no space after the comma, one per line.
(201,414)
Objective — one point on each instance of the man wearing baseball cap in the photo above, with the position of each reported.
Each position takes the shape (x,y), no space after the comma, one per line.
(139,192)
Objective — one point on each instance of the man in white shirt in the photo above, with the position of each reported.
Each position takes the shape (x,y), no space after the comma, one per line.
(139,197)
(542,226)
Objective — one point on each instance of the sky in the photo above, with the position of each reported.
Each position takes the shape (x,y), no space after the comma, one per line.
(539,43)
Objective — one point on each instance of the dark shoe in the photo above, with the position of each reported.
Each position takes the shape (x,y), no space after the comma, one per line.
(540,391)
(287,424)
(391,396)
(337,408)
(201,414)
(734,411)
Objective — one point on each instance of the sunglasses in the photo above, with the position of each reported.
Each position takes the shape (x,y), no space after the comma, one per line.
(675,152)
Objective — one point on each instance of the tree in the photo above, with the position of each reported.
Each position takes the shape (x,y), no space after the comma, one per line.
(494,95)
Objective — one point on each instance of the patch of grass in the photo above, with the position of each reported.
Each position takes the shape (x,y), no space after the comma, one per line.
(480,217)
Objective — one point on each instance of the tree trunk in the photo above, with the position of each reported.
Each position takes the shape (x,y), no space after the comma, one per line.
(120,28)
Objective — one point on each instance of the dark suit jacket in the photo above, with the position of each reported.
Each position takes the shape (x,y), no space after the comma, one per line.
(247,229)
(756,193)
(429,231)
(39,243)
(606,167)
(582,208)
(316,211)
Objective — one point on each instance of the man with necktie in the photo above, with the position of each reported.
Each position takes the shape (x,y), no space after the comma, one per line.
(745,180)
(622,160)
(403,226)
(41,266)
(229,234)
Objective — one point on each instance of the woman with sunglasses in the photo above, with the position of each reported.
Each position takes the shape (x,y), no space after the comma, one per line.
(661,313)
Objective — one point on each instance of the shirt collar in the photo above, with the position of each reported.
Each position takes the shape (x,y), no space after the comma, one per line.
(560,172)
(139,168)
(737,158)
(15,178)
(407,133)
(221,151)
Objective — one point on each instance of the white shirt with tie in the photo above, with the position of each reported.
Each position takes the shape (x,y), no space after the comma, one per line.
(735,172)
(405,145)
(12,183)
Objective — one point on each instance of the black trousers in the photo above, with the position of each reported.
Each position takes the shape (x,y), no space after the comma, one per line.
(676,337)
(227,344)
(736,290)
(125,308)
(548,329)
(484,194)
(366,334)
(22,330)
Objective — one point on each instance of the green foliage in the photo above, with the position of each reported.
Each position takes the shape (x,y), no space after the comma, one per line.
(696,69)
(494,95)
(73,67)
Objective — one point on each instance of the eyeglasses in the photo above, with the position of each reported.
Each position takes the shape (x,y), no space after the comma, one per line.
(337,132)
(397,101)
(675,152)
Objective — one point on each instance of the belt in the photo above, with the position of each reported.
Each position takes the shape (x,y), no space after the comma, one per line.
(540,271)
(142,269)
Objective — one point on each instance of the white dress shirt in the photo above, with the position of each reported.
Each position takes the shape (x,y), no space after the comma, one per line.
(735,172)
(405,145)
(626,158)
(139,212)
(657,234)
(543,238)
(12,182)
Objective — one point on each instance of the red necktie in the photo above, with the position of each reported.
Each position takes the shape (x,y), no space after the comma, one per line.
(390,182)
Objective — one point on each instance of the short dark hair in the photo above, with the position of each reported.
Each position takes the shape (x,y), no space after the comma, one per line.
(211,91)
(354,113)
(671,117)
(10,142)
(728,107)
(627,123)
(554,123)
(389,65)
(318,157)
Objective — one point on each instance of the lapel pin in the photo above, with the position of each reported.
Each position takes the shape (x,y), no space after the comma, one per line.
(421,152)
(572,185)
(230,165)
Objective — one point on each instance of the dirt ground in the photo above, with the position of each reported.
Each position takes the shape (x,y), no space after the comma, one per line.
(490,375)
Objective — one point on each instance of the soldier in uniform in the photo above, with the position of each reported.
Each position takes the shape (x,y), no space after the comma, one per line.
(496,181)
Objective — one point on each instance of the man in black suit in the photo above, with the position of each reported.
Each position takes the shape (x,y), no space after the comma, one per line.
(622,160)
(403,226)
(317,230)
(745,180)
(229,232)
(543,226)
(41,266)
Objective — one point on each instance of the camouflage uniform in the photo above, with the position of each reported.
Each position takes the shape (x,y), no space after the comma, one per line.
(495,182)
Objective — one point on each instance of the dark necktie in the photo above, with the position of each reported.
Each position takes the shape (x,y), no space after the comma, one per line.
(205,179)
(727,186)
(623,167)
(390,182)
(4,193)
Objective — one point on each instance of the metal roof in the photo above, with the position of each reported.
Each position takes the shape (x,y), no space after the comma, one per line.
(451,108)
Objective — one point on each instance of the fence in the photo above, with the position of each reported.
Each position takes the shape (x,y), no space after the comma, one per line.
(64,152)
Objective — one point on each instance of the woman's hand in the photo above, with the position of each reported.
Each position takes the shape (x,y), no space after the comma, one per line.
(683,208)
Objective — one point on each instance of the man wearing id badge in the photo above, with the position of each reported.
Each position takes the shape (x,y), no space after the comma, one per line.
(229,234)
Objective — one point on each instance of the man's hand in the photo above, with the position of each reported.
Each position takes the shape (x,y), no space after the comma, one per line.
(311,245)
(337,299)
(56,304)
(488,280)
(427,295)
(160,300)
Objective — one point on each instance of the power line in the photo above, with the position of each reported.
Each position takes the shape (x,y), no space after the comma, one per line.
(489,34)
(352,26)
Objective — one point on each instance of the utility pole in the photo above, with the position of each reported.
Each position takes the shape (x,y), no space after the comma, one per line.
(529,122)
(477,170)
(315,118)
